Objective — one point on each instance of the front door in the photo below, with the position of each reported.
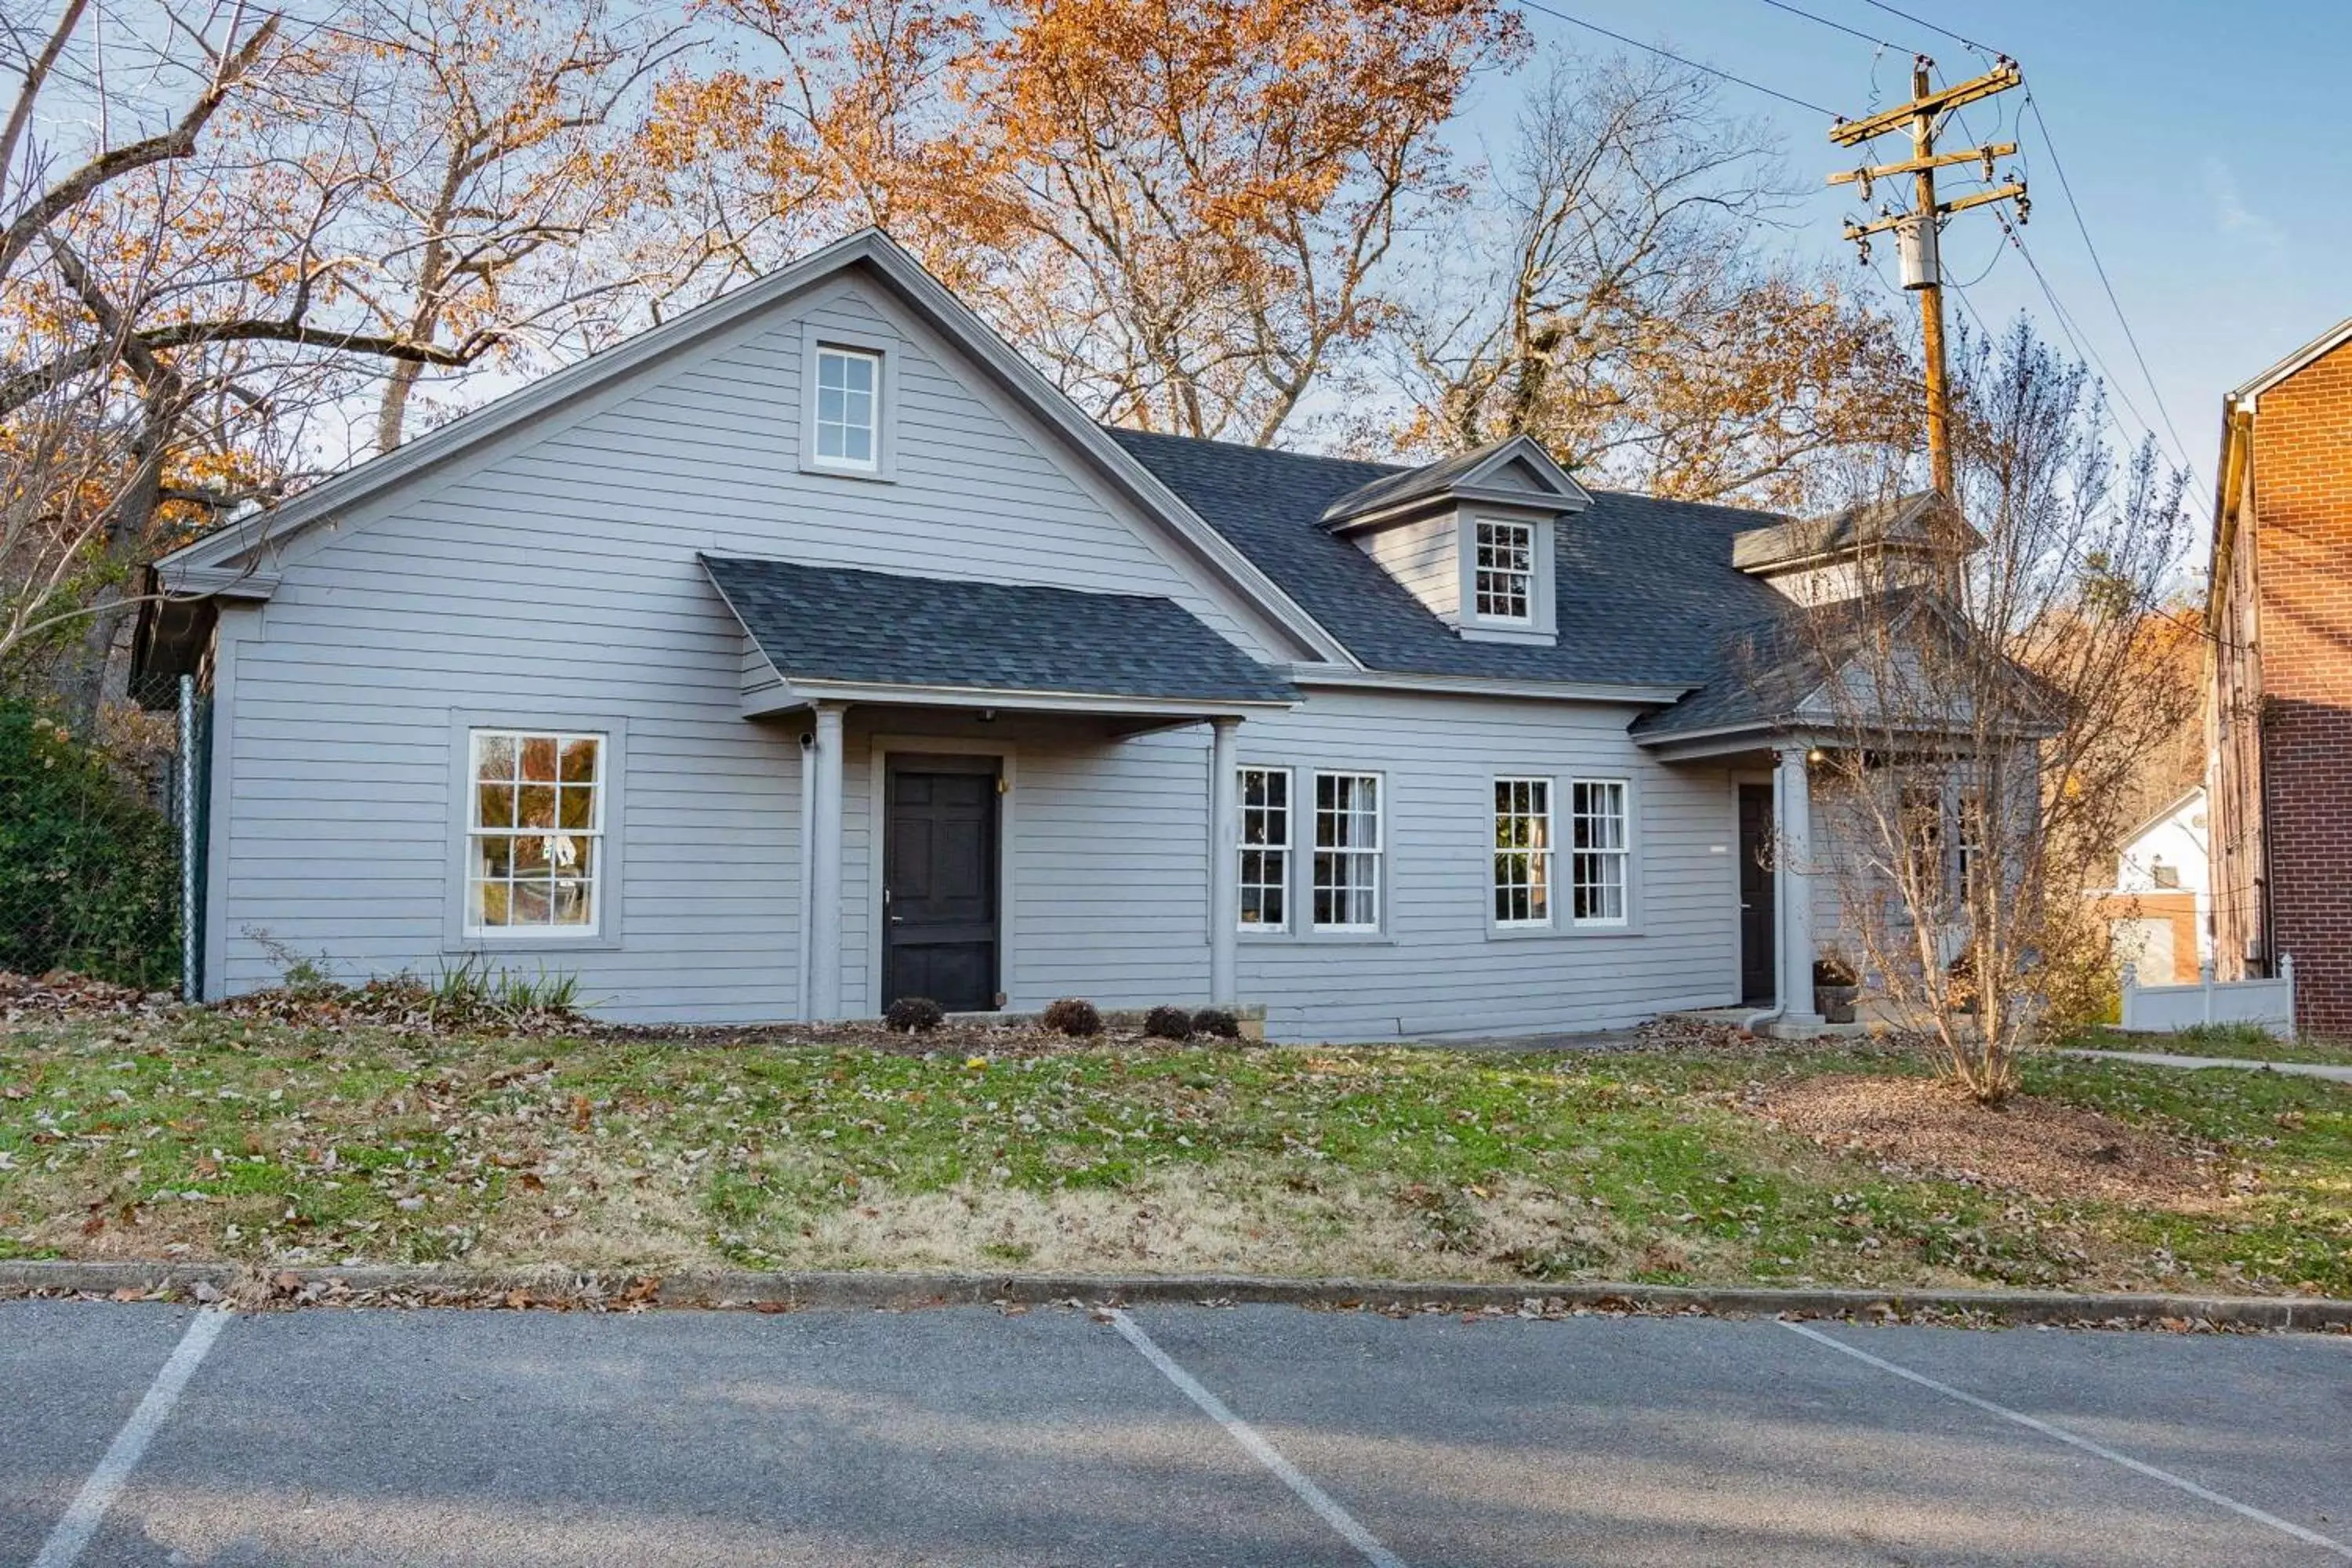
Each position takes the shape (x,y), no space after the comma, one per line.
(1757,955)
(939,882)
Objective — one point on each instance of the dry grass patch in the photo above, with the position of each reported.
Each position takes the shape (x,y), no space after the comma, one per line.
(1233,1218)
(2040,1147)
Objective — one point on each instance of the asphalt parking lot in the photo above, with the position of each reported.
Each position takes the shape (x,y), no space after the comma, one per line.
(1259,1435)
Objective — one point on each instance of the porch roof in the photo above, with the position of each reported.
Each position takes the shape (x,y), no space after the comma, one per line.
(828,629)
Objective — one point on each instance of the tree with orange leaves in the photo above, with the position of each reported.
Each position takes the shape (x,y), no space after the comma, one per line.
(335,208)
(1182,208)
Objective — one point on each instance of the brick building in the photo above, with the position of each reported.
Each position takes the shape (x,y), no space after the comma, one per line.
(2280,713)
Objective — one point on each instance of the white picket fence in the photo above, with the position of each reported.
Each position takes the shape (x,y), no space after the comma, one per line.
(2267,1004)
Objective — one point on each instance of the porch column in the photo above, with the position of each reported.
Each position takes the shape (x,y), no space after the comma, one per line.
(823,858)
(1792,858)
(1224,862)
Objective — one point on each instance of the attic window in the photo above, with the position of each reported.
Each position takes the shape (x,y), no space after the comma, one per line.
(1506,571)
(848,384)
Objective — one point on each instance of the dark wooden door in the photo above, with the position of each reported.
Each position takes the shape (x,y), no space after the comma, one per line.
(1756,955)
(939,882)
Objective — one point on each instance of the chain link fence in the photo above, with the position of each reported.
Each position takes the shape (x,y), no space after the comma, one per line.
(101,864)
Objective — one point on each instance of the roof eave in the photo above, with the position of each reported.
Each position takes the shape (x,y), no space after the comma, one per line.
(803,691)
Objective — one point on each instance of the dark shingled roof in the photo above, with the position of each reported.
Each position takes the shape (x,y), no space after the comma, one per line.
(1766,668)
(1645,588)
(830,623)
(1923,519)
(1401,485)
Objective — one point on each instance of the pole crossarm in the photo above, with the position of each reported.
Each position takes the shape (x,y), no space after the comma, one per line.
(1919,228)
(1914,165)
(1903,116)
(2015,189)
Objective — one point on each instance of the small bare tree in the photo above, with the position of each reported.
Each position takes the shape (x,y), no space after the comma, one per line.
(1980,715)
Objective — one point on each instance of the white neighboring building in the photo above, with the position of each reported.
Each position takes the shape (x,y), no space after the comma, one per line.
(2161,907)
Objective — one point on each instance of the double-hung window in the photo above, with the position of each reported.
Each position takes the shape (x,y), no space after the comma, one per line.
(534,833)
(1506,571)
(1968,839)
(848,391)
(1599,848)
(1523,852)
(1348,843)
(1265,848)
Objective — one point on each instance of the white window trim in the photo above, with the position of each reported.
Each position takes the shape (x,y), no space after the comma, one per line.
(1540,626)
(1549,853)
(1626,796)
(1480,526)
(1288,848)
(604,932)
(814,340)
(844,354)
(1378,852)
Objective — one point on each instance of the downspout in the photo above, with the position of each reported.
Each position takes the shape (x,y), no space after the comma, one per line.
(1780,913)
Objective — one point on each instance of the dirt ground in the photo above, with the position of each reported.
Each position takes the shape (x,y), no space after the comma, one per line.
(2035,1146)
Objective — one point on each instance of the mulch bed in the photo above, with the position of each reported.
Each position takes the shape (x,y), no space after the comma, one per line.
(2040,1147)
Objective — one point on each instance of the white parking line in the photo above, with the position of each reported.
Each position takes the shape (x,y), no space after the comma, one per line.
(2181,1483)
(87,1510)
(1264,1452)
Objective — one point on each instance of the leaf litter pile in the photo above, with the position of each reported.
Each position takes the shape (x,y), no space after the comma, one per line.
(285,1134)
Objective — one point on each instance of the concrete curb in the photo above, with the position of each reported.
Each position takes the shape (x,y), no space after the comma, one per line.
(433,1285)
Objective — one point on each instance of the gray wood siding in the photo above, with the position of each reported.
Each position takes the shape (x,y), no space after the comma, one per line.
(1437,969)
(1425,556)
(1107,843)
(553,576)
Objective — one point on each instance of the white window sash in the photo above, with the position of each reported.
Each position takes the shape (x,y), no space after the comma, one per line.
(477,832)
(1362,892)
(1504,584)
(1611,865)
(1272,853)
(829,356)
(1540,856)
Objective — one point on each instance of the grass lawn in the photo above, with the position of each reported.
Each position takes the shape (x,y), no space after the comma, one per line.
(197,1135)
(2241,1042)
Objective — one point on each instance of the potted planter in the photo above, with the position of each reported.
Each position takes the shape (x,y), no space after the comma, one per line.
(1836,988)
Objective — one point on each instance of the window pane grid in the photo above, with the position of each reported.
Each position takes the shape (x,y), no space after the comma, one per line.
(845,406)
(1348,850)
(1506,571)
(1523,851)
(1265,847)
(1598,844)
(534,831)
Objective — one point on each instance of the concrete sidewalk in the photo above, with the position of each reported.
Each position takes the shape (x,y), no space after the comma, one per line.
(2332,1071)
(1170,1435)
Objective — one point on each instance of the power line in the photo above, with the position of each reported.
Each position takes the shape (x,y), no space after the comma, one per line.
(1680,60)
(1840,26)
(2067,188)
(1946,32)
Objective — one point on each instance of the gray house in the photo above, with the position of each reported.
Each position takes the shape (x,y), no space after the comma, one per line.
(811,650)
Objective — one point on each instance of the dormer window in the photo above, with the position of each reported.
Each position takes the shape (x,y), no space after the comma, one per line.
(1506,571)
(848,383)
(1475,537)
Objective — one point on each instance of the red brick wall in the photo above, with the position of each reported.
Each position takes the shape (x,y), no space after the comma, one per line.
(2302,504)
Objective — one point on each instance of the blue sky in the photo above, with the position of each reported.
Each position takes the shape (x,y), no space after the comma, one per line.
(2205,142)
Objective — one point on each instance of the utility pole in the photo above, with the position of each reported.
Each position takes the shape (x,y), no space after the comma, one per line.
(1917,230)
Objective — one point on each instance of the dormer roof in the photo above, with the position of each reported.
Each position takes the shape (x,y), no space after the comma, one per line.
(1925,521)
(1513,471)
